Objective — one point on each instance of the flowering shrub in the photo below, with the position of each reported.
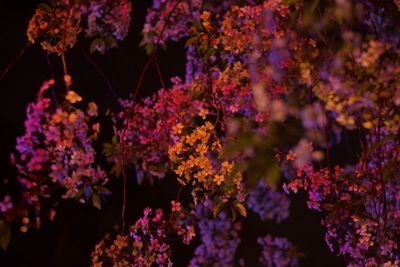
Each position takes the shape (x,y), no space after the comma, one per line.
(361,202)
(55,156)
(148,130)
(56,26)
(146,243)
(271,87)
(183,14)
(108,21)
(268,203)
(194,156)
(375,68)
(217,247)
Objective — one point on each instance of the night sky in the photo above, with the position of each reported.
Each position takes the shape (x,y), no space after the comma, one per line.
(69,240)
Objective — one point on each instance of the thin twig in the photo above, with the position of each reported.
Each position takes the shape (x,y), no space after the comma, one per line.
(160,76)
(99,71)
(14,61)
(149,61)
(64,63)
(51,71)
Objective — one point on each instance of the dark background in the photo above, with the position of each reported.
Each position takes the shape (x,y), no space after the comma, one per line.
(69,240)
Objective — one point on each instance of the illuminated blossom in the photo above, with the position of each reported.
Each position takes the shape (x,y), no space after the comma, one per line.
(108,21)
(268,203)
(145,245)
(56,152)
(55,27)
(218,247)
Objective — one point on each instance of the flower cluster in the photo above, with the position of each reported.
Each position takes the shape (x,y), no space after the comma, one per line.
(268,203)
(146,131)
(262,35)
(145,245)
(360,87)
(56,155)
(268,85)
(6,204)
(219,237)
(233,91)
(55,27)
(108,21)
(277,251)
(196,160)
(176,14)
(362,203)
(318,184)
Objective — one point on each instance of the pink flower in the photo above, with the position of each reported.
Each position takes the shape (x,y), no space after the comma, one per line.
(176,206)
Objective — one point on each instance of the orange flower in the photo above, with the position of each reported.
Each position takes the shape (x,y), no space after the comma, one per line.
(291,155)
(203,113)
(176,206)
(73,97)
(92,109)
(177,129)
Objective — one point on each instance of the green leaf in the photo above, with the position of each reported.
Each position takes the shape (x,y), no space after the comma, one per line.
(191,40)
(182,182)
(234,214)
(273,175)
(111,41)
(197,25)
(107,150)
(289,2)
(79,194)
(5,234)
(239,145)
(142,43)
(208,54)
(149,48)
(96,201)
(116,170)
(217,208)
(93,45)
(240,208)
(314,5)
